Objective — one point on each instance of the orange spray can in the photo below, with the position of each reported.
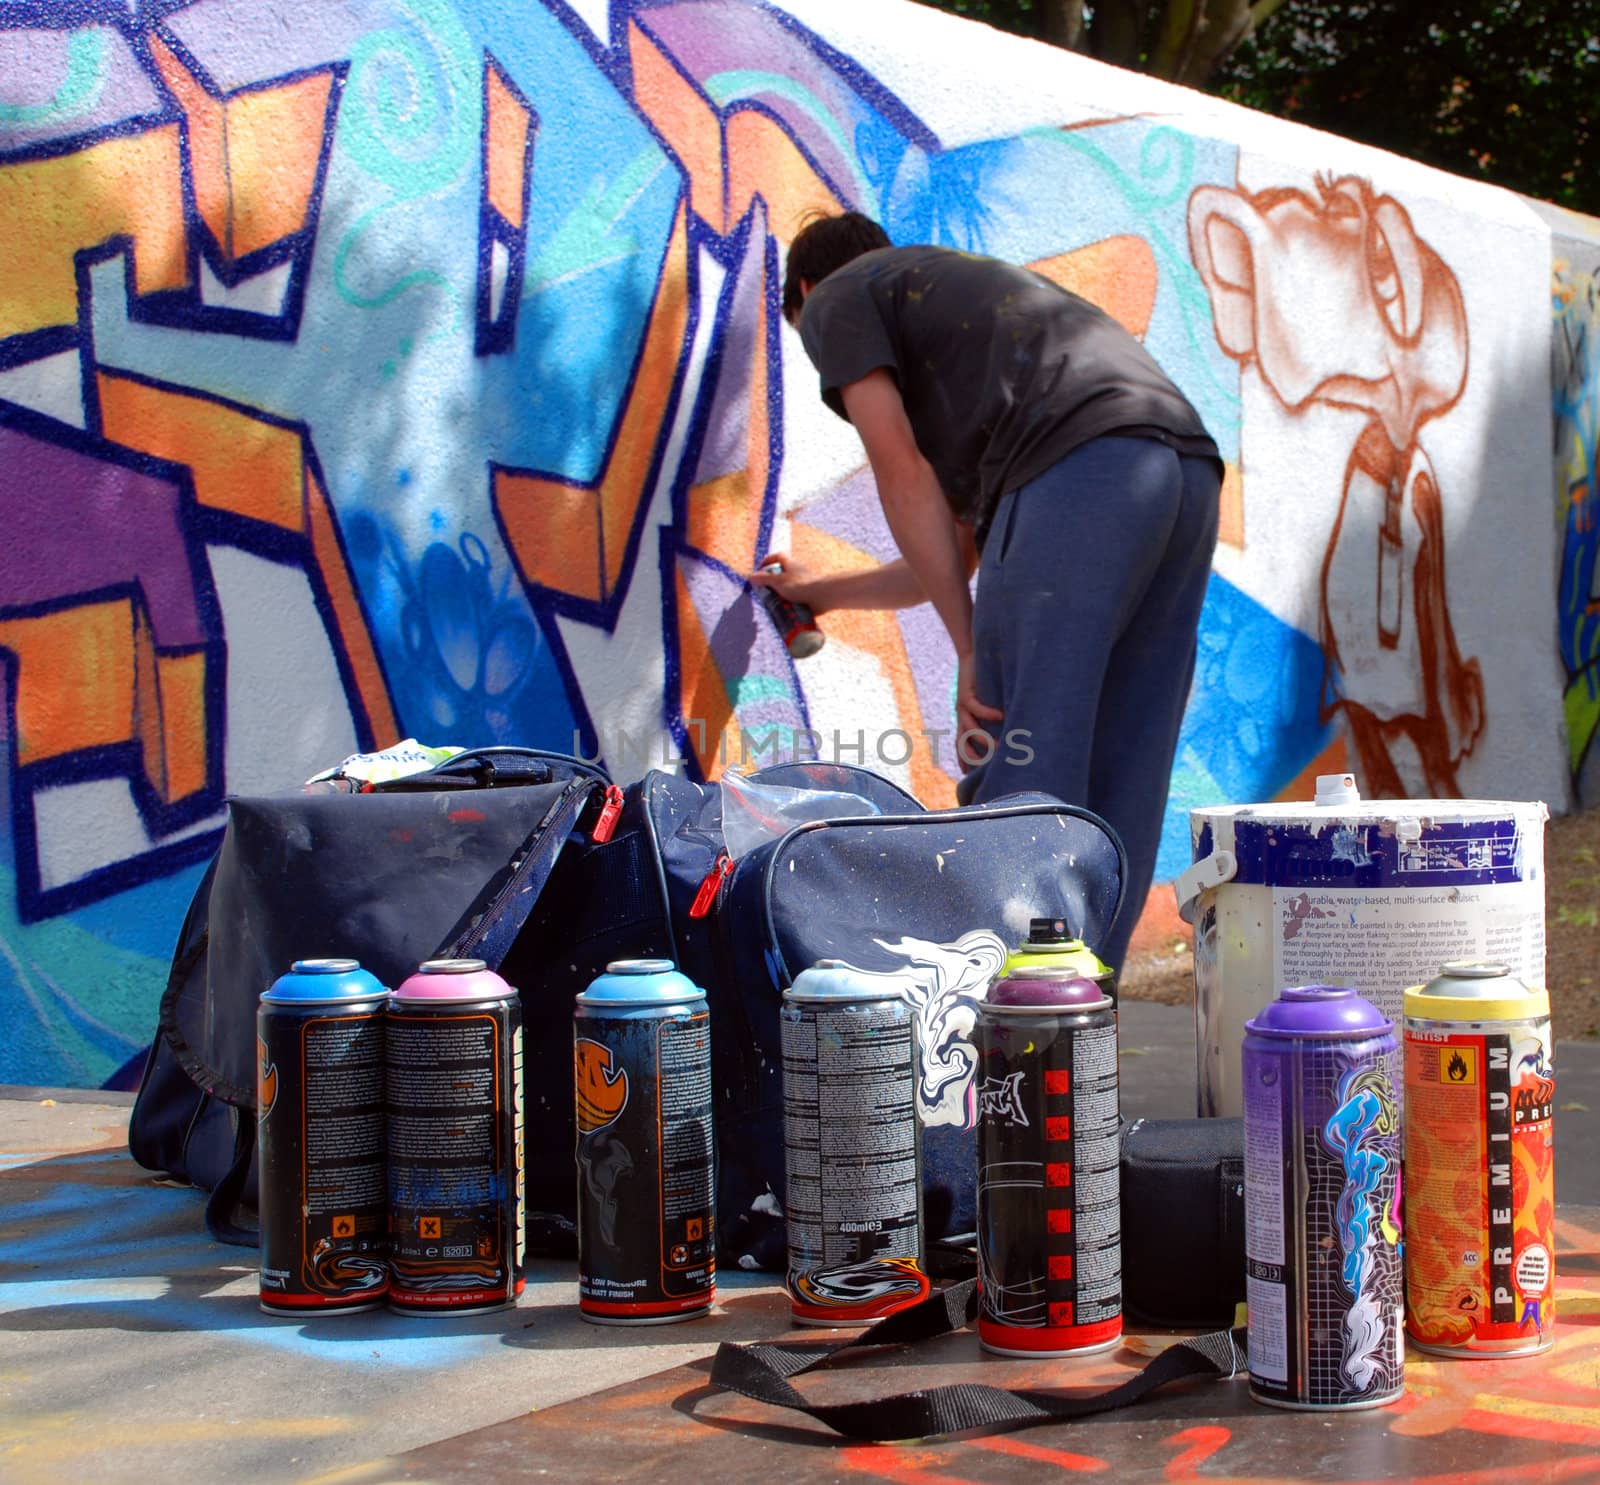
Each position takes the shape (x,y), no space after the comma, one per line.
(1480,1164)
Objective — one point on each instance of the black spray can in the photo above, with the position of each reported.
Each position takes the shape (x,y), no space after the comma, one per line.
(455,1140)
(1049,1189)
(646,1198)
(852,1148)
(320,1139)
(1322,1146)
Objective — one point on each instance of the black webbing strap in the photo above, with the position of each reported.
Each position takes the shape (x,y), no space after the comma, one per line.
(761,1372)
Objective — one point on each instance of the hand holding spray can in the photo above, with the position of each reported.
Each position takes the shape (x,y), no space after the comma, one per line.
(796,623)
(1049,1196)
(320,1138)
(1480,1164)
(646,1194)
(852,1148)
(1322,1202)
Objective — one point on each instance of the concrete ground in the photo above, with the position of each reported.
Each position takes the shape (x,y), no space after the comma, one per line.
(134,1349)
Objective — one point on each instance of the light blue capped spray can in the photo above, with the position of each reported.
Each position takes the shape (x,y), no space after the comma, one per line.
(646,1190)
(320,1140)
(852,1148)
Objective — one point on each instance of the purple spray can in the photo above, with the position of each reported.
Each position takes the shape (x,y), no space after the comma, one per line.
(1324,1264)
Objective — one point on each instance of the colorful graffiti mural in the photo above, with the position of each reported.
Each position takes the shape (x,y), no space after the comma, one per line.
(373,368)
(1575,386)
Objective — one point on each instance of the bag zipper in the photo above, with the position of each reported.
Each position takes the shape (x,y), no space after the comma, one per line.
(927,817)
(606,825)
(525,862)
(711,888)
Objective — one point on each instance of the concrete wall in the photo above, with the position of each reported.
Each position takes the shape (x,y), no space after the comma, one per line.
(373,368)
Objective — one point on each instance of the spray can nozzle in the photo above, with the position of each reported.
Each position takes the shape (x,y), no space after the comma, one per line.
(1337,788)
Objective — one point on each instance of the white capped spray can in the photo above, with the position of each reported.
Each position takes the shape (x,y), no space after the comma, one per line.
(1480,1164)
(852,1148)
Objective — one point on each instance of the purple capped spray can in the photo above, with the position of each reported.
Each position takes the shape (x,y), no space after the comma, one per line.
(1049,1198)
(1324,1265)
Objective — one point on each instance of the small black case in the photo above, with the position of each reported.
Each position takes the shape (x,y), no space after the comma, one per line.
(1183,1221)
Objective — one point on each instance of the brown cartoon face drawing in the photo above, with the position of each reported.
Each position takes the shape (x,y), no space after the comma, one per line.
(1334,301)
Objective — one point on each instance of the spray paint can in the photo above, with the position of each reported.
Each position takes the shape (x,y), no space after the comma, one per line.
(1051,945)
(1480,1164)
(796,623)
(456,1160)
(1322,1202)
(852,1148)
(319,1139)
(646,1194)
(1049,1197)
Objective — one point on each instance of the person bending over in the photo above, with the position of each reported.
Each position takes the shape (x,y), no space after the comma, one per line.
(1016,429)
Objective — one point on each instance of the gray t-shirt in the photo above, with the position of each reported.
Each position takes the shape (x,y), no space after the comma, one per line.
(1002,372)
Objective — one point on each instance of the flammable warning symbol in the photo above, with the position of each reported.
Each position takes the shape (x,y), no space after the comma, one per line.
(1458,1065)
(344,1226)
(428,1227)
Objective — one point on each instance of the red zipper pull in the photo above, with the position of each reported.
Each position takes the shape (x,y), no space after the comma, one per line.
(609,811)
(707,895)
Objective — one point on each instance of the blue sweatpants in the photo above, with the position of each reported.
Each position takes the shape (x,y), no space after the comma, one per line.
(1088,603)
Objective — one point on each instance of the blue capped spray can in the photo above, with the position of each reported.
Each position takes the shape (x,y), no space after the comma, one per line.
(320,1139)
(646,1195)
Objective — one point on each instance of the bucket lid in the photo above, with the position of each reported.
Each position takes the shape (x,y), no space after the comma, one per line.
(836,980)
(1476,990)
(314,980)
(1045,988)
(635,982)
(453,979)
(1320,1011)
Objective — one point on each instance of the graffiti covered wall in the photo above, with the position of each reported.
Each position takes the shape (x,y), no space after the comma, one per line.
(1575,400)
(384,368)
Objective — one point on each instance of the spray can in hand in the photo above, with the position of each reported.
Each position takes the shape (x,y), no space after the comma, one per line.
(796,623)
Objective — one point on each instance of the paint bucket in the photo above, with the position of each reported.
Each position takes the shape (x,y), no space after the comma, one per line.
(1373,895)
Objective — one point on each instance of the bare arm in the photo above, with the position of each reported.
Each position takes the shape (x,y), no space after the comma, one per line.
(919,519)
(890,585)
(939,550)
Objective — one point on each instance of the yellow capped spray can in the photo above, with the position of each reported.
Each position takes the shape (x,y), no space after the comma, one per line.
(1050,945)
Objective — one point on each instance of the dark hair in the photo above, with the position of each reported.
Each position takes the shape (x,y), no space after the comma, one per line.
(823,244)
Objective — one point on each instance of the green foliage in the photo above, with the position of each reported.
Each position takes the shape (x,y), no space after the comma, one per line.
(1506,91)
(1499,90)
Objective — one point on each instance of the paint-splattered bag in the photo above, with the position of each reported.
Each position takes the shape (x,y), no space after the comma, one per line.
(929,901)
(450,861)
